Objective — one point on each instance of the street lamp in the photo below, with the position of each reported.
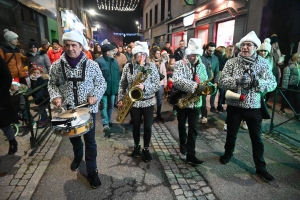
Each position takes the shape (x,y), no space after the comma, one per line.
(92,12)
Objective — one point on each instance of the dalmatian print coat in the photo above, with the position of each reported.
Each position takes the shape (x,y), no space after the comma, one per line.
(183,77)
(152,84)
(234,68)
(91,83)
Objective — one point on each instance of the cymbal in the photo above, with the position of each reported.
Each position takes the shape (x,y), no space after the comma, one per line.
(70,113)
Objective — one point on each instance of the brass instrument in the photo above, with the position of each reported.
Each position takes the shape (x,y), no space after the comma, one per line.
(134,94)
(190,98)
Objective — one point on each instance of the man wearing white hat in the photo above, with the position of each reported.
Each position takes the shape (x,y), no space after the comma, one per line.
(188,74)
(250,74)
(75,80)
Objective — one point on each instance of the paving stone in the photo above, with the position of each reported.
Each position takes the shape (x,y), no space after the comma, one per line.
(7,177)
(9,189)
(180,197)
(14,182)
(185,187)
(19,188)
(23,182)
(198,178)
(190,181)
(5,195)
(173,181)
(18,175)
(27,176)
(201,198)
(4,182)
(210,197)
(182,181)
(191,198)
(175,186)
(15,196)
(178,191)
(198,193)
(188,193)
(206,190)
(201,183)
(194,187)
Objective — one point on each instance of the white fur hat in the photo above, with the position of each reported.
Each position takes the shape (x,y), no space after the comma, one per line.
(194,47)
(251,37)
(140,47)
(105,42)
(76,36)
(266,45)
(238,45)
(15,83)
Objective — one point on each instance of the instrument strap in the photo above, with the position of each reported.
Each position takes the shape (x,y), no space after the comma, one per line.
(191,68)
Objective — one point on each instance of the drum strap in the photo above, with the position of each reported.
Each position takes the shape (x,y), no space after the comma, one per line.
(74,80)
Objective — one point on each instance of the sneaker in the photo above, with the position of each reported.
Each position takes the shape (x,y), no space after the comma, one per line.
(281,112)
(147,155)
(213,109)
(224,159)
(105,128)
(110,124)
(225,127)
(203,120)
(244,125)
(192,159)
(34,125)
(75,164)
(220,109)
(183,149)
(94,180)
(265,175)
(13,146)
(136,151)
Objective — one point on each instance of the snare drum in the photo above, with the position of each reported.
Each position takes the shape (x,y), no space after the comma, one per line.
(81,125)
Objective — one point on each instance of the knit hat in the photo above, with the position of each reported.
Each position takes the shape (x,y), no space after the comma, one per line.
(107,47)
(113,43)
(140,47)
(251,37)
(16,82)
(25,68)
(194,47)
(9,35)
(105,42)
(44,41)
(55,41)
(33,44)
(274,39)
(266,45)
(164,52)
(76,36)
(238,45)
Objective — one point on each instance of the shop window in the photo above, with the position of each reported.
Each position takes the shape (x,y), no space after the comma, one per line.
(225,31)
(151,18)
(162,11)
(156,13)
(146,20)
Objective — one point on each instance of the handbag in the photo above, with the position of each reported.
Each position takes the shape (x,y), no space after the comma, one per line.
(175,94)
(161,76)
(265,114)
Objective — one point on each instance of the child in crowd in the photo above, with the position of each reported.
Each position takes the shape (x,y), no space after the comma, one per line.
(27,78)
(170,70)
(37,79)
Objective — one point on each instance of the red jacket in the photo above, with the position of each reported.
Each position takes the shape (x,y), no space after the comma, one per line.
(53,56)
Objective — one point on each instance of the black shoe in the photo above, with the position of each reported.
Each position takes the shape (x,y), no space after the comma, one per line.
(75,164)
(94,180)
(13,146)
(136,151)
(159,119)
(110,124)
(224,159)
(183,149)
(213,109)
(264,175)
(192,159)
(147,155)
(220,109)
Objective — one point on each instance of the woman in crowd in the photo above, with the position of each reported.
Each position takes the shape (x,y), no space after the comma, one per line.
(97,51)
(145,106)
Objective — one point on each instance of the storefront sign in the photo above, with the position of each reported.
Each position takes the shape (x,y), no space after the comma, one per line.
(126,34)
(189,20)
(203,13)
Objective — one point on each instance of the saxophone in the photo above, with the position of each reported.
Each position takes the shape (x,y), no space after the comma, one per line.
(190,98)
(134,94)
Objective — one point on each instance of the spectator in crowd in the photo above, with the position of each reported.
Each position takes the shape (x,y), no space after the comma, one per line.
(45,45)
(55,52)
(121,58)
(180,51)
(97,51)
(170,70)
(168,48)
(220,53)
(128,53)
(229,53)
(278,58)
(165,57)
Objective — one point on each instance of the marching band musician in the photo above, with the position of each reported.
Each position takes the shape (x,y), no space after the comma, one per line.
(75,80)
(145,106)
(188,75)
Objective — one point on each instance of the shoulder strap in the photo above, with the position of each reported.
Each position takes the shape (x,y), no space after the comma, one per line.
(10,58)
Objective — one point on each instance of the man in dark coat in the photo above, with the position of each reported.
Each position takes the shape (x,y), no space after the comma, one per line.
(7,112)
(180,51)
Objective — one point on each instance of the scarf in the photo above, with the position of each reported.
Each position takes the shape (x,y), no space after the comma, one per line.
(73,61)
(11,45)
(248,60)
(33,54)
(35,77)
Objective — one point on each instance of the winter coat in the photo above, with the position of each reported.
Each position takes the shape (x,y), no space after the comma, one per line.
(40,59)
(235,68)
(183,77)
(122,60)
(54,55)
(15,64)
(151,84)
(111,73)
(222,59)
(291,75)
(89,84)
(8,113)
(41,94)
(162,70)
(178,55)
(212,64)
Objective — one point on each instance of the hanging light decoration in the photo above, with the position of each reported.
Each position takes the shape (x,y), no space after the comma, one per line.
(118,5)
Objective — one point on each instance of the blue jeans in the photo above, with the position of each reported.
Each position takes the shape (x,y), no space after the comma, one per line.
(158,95)
(106,108)
(90,148)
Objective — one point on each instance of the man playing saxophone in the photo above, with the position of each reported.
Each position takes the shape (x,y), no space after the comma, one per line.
(144,107)
(188,75)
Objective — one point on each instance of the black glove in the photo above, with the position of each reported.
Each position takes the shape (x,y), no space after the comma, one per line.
(244,79)
(200,88)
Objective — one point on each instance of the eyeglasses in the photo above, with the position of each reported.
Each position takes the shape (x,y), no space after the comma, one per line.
(263,50)
(247,44)
(141,54)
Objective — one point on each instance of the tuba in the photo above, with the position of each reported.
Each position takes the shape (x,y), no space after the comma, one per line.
(190,98)
(134,94)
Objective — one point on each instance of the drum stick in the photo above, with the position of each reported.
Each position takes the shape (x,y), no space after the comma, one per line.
(81,105)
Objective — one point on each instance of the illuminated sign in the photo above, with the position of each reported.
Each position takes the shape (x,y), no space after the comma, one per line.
(203,13)
(189,20)
(126,34)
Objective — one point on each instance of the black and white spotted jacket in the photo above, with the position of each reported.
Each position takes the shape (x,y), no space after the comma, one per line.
(183,77)
(92,82)
(235,68)
(151,85)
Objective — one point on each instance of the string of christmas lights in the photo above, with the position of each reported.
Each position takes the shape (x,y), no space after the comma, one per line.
(118,5)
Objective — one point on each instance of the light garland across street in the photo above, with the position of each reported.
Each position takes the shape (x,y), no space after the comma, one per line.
(118,5)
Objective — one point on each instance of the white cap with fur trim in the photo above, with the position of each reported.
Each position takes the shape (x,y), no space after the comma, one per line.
(194,47)
(251,37)
(16,83)
(266,45)
(76,36)
(140,47)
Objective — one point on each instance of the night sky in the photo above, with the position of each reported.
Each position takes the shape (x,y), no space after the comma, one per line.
(124,20)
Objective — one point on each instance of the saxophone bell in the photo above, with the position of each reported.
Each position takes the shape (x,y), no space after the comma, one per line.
(136,94)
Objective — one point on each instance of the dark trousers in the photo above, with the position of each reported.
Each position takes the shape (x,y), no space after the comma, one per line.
(253,119)
(221,97)
(203,107)
(90,148)
(192,115)
(136,117)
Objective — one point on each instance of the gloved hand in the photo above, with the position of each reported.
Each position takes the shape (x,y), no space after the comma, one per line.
(200,88)
(244,79)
